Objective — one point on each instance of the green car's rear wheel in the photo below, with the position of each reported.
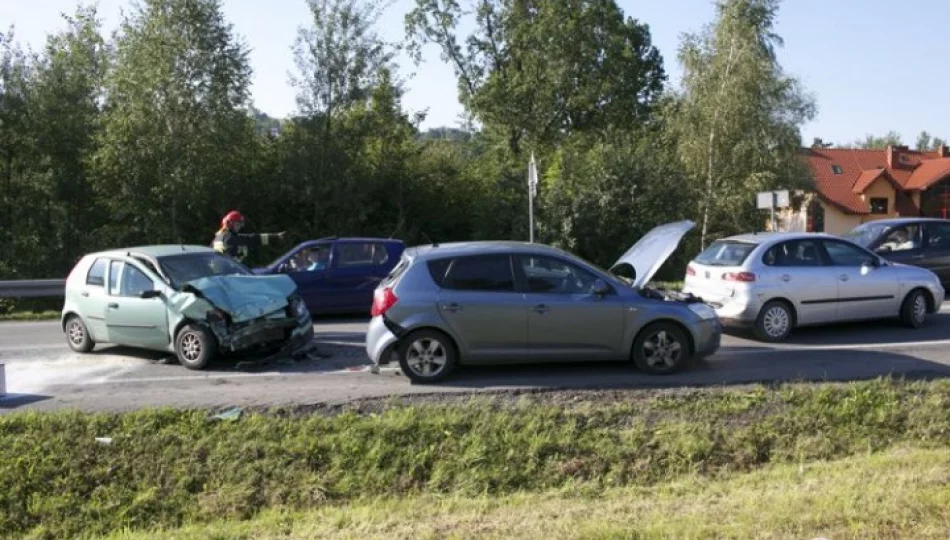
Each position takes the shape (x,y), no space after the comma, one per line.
(77,335)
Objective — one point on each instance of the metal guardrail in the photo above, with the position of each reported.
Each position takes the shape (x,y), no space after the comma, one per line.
(32,288)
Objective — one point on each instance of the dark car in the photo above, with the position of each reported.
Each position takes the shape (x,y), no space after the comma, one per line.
(338,275)
(923,242)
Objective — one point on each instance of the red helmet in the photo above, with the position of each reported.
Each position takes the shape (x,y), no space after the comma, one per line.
(232,217)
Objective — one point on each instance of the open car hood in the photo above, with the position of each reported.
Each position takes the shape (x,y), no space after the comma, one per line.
(648,255)
(244,297)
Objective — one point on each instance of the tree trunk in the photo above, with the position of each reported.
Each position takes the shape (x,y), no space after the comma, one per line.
(708,198)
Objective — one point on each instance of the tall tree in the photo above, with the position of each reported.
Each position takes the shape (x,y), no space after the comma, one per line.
(927,143)
(737,120)
(543,69)
(16,141)
(340,59)
(871,142)
(65,114)
(176,133)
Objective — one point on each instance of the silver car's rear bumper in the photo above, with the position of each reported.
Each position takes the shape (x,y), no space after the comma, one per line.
(379,340)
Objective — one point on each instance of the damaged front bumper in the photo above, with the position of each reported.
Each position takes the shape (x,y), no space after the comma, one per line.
(290,329)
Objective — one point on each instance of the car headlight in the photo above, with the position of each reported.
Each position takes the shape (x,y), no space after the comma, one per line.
(704,311)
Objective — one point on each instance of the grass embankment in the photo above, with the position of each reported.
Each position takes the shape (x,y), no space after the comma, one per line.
(30,316)
(895,494)
(720,462)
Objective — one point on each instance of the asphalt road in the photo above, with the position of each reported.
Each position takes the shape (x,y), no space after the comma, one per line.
(42,373)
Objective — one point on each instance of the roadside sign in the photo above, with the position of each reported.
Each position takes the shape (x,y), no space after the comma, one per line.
(764,200)
(781,199)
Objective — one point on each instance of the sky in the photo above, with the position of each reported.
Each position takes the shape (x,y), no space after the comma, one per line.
(872,66)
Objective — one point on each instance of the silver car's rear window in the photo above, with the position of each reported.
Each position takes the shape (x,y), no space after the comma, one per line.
(725,253)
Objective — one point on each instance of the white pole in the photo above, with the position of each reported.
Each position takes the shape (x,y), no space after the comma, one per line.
(532,187)
(772,212)
(530,218)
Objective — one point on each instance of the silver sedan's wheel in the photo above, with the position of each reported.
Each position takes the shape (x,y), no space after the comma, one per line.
(77,335)
(427,356)
(661,348)
(774,322)
(914,309)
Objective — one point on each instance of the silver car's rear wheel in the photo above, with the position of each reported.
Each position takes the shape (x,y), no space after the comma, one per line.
(77,335)
(774,322)
(427,356)
(661,348)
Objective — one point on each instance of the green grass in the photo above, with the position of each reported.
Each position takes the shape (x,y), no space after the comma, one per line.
(169,468)
(31,316)
(900,493)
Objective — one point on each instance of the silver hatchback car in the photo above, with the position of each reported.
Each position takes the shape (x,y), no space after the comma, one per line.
(508,302)
(774,282)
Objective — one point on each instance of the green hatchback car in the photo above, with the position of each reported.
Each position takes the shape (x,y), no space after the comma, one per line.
(188,300)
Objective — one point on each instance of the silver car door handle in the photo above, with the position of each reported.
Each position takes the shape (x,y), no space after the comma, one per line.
(113,305)
(452,307)
(786,277)
(540,308)
(843,277)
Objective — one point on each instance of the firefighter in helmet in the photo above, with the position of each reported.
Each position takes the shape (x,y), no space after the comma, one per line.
(229,240)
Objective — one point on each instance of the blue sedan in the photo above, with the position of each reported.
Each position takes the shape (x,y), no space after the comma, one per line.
(338,275)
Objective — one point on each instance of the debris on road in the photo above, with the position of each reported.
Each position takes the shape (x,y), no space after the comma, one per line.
(105,441)
(285,359)
(230,415)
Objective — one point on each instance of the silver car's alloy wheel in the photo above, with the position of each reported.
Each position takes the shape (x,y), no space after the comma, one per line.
(662,349)
(426,357)
(75,332)
(776,321)
(191,347)
(920,309)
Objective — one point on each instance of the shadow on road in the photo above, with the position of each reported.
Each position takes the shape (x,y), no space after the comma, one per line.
(791,366)
(12,401)
(880,332)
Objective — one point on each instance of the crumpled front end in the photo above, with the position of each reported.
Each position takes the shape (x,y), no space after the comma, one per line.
(290,327)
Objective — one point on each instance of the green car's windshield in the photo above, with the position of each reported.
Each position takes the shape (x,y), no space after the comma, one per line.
(186,267)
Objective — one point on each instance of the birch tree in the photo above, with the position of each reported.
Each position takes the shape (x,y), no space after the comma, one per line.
(738,116)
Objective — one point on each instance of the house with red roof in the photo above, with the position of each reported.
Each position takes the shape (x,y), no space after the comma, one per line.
(854,186)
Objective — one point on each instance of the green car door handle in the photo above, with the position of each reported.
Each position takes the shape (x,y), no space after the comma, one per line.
(113,305)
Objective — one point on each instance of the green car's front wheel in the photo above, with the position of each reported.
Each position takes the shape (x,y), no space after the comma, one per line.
(195,347)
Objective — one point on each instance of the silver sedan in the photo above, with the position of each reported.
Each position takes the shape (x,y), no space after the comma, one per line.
(775,282)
